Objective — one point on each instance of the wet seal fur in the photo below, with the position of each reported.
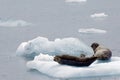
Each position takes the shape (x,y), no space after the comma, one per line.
(75,61)
(102,53)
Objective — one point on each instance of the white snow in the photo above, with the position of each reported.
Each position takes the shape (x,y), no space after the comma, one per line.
(91,30)
(46,65)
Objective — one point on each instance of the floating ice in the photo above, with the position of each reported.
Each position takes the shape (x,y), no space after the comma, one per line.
(76,1)
(99,15)
(13,23)
(46,65)
(91,30)
(43,57)
(71,46)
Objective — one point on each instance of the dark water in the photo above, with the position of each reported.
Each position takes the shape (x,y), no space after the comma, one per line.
(54,19)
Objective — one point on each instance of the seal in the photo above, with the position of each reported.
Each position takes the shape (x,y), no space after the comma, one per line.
(75,61)
(101,52)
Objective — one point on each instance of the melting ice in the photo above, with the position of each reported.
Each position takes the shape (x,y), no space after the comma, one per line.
(91,30)
(71,46)
(44,50)
(45,64)
(13,23)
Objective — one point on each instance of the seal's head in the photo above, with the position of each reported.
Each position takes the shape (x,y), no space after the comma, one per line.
(94,46)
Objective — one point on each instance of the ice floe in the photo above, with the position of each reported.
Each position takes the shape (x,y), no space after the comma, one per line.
(76,1)
(71,46)
(14,23)
(46,65)
(91,30)
(98,15)
(44,51)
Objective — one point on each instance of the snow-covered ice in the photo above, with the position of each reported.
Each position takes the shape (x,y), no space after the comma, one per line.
(71,46)
(44,51)
(45,64)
